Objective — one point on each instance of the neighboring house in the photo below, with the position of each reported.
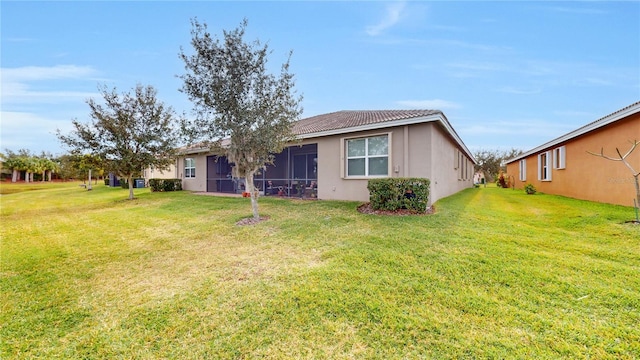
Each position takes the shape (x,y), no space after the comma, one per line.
(563,166)
(337,153)
(479,178)
(154,173)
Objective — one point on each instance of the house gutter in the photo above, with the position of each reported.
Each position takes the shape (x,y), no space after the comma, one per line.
(439,118)
(602,122)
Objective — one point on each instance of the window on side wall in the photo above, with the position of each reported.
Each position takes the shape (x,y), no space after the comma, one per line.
(523,170)
(189,168)
(544,166)
(559,158)
(368,156)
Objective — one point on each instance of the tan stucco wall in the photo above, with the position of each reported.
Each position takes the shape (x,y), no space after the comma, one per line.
(586,176)
(169,173)
(418,150)
(445,174)
(199,183)
(421,150)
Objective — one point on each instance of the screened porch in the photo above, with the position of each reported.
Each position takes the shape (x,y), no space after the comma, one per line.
(293,174)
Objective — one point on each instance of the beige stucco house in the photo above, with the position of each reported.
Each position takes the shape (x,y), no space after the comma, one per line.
(564,166)
(154,173)
(337,153)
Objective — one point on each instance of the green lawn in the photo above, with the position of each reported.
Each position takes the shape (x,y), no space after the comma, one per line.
(494,273)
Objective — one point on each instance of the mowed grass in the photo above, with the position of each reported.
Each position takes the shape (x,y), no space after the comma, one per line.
(494,273)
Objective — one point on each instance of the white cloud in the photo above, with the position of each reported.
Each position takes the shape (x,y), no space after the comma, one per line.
(531,127)
(18,84)
(35,73)
(394,13)
(22,130)
(429,104)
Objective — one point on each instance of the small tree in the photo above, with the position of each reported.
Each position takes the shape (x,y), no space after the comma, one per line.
(235,98)
(129,132)
(492,162)
(623,158)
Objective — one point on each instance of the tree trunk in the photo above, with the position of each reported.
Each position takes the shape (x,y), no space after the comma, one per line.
(15,175)
(130,180)
(26,177)
(89,185)
(32,177)
(637,189)
(248,183)
(50,175)
(44,175)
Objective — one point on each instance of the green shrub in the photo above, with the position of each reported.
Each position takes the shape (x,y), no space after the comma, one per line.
(124,183)
(155,184)
(399,193)
(168,186)
(165,184)
(530,189)
(106,181)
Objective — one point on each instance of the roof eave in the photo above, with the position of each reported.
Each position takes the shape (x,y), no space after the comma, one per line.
(437,117)
(609,119)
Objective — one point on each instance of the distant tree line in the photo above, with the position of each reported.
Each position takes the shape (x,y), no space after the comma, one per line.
(491,162)
(28,167)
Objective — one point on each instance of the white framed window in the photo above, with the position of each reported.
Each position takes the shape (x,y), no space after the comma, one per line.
(544,166)
(559,158)
(189,168)
(456,159)
(523,170)
(368,156)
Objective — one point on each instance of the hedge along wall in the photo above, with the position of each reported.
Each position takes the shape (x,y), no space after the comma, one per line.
(165,184)
(399,193)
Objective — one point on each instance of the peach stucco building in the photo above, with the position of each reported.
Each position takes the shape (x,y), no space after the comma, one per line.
(337,153)
(564,166)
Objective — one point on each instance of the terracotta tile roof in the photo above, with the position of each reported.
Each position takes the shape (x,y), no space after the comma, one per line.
(355,118)
(347,121)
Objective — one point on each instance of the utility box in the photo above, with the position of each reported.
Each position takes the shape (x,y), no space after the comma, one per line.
(138,183)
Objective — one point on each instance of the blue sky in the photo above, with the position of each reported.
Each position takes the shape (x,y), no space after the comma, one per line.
(506,74)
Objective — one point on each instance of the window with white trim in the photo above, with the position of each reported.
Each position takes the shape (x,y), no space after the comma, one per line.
(559,158)
(544,166)
(189,168)
(523,170)
(368,156)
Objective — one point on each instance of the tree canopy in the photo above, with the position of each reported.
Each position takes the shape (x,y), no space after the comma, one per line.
(31,164)
(236,99)
(129,132)
(492,161)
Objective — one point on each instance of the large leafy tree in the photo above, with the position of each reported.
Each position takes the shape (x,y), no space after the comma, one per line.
(491,162)
(130,131)
(235,98)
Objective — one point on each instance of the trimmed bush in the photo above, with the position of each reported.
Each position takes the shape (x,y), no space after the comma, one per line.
(165,184)
(399,193)
(530,189)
